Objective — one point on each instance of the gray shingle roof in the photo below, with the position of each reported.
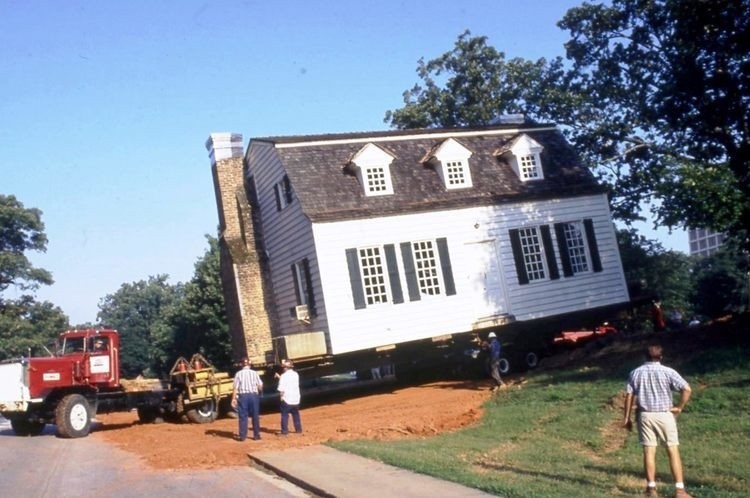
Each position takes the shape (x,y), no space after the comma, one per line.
(327,191)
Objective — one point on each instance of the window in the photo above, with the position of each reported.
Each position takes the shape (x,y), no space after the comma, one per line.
(528,167)
(373,275)
(532,253)
(373,168)
(451,160)
(283,192)
(426,268)
(576,247)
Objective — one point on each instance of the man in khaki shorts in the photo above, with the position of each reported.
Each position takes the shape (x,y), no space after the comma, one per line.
(652,385)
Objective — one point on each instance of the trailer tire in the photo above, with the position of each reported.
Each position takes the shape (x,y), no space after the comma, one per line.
(73,417)
(203,413)
(149,415)
(23,427)
(531,360)
(503,366)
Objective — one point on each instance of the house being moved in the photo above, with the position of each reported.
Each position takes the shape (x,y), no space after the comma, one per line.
(375,243)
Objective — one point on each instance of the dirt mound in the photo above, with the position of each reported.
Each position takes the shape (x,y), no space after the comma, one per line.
(375,410)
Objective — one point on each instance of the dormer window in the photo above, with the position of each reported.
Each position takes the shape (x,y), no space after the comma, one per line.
(451,161)
(525,158)
(373,167)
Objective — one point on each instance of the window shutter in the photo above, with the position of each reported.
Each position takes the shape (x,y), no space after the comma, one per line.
(287,190)
(445,264)
(297,289)
(515,244)
(277,195)
(309,290)
(562,245)
(411,275)
(596,262)
(549,252)
(393,277)
(358,292)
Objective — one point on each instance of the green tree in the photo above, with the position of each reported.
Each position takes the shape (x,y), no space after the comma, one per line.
(21,230)
(28,326)
(721,281)
(663,90)
(198,323)
(137,311)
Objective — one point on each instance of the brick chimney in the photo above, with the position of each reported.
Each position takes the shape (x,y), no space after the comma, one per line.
(242,266)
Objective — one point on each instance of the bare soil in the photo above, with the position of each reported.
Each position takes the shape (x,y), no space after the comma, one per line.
(371,410)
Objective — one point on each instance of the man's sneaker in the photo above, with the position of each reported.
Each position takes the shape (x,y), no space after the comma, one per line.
(650,491)
(681,493)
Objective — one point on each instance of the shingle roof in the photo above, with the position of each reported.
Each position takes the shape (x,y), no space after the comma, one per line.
(329,192)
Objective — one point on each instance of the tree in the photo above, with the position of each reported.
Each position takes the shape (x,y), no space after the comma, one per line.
(137,311)
(28,326)
(721,281)
(21,230)
(198,323)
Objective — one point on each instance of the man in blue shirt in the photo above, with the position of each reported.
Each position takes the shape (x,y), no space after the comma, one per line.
(495,361)
(652,385)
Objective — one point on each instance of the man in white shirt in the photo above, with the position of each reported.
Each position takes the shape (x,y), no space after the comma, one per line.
(290,398)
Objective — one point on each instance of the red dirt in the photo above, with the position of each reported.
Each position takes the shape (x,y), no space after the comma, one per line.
(386,412)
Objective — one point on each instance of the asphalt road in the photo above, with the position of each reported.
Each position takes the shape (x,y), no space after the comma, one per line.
(50,467)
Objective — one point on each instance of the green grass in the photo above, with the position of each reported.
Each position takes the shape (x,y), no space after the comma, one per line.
(559,435)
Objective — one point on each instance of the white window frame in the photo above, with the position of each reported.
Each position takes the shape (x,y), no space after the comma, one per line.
(427,267)
(371,161)
(374,274)
(377,180)
(451,160)
(527,159)
(577,246)
(532,249)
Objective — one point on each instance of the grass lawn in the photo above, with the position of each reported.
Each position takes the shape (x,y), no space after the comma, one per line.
(559,434)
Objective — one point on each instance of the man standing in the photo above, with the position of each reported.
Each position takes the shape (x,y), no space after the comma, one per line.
(290,398)
(246,399)
(652,385)
(495,361)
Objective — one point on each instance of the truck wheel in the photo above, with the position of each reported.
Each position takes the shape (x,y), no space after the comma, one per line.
(504,366)
(203,413)
(26,427)
(73,417)
(531,359)
(149,415)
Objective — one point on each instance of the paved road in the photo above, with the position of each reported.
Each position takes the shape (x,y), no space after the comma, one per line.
(49,467)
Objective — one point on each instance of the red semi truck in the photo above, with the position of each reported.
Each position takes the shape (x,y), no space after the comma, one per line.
(81,378)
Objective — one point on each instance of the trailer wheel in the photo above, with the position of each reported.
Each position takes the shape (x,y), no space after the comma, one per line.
(149,415)
(27,428)
(531,359)
(73,417)
(203,413)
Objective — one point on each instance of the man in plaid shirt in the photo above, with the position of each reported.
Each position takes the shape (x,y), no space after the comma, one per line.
(652,385)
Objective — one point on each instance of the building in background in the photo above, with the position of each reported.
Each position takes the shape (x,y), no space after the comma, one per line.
(704,241)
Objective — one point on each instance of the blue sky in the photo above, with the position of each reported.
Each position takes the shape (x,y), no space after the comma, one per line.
(106,107)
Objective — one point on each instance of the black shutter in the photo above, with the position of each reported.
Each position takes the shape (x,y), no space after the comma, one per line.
(562,245)
(445,263)
(277,195)
(297,287)
(596,262)
(287,190)
(390,261)
(515,244)
(549,252)
(411,275)
(358,293)
(309,287)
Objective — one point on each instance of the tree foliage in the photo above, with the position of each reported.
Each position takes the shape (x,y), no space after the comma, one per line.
(654,97)
(137,311)
(28,326)
(21,230)
(721,282)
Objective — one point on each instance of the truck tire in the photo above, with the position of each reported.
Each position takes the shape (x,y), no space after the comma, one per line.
(73,417)
(203,413)
(531,360)
(149,415)
(27,428)
(504,366)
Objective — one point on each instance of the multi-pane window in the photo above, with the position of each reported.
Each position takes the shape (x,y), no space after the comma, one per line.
(302,284)
(455,174)
(574,240)
(283,192)
(529,167)
(376,179)
(426,266)
(373,275)
(531,248)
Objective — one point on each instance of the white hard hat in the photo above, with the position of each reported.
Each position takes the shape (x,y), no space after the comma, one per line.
(491,335)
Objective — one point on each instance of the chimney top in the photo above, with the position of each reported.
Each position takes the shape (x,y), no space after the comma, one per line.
(224,146)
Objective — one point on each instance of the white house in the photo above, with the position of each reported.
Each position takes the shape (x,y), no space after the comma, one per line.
(367,241)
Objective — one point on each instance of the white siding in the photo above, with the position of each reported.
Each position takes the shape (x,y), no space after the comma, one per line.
(352,329)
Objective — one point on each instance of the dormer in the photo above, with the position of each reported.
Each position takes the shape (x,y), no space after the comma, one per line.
(451,160)
(373,167)
(525,157)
